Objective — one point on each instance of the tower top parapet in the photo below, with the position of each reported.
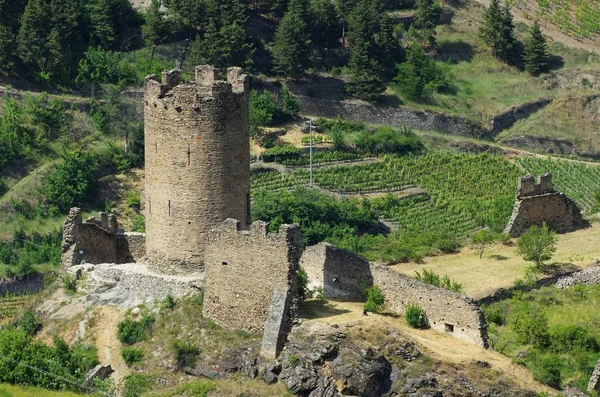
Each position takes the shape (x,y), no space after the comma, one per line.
(208,81)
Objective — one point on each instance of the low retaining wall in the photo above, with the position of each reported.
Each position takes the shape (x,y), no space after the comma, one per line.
(589,276)
(31,284)
(447,311)
(508,117)
(392,116)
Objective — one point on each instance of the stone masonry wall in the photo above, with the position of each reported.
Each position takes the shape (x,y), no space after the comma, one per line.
(98,240)
(447,311)
(539,203)
(391,116)
(242,270)
(197,146)
(342,273)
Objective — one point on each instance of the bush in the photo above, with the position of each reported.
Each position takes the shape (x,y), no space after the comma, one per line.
(302,284)
(494,314)
(28,323)
(564,338)
(430,277)
(547,369)
(131,331)
(185,353)
(416,317)
(104,67)
(533,328)
(169,302)
(196,389)
(69,283)
(131,355)
(281,152)
(136,385)
(375,299)
(386,140)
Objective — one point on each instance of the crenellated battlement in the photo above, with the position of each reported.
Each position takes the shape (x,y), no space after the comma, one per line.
(209,82)
(527,185)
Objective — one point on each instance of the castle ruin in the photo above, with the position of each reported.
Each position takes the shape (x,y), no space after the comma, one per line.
(539,203)
(197,151)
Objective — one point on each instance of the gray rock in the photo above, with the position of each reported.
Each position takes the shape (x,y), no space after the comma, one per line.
(361,373)
(594,383)
(100,372)
(203,370)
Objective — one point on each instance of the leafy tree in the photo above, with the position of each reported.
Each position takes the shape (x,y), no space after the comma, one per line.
(482,239)
(536,51)
(155,28)
(420,75)
(104,67)
(73,180)
(15,138)
(337,136)
(537,244)
(262,110)
(426,17)
(497,30)
(386,140)
(291,51)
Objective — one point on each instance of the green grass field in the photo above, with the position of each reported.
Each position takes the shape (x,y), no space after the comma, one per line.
(26,391)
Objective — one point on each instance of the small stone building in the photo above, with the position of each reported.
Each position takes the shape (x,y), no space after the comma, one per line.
(539,203)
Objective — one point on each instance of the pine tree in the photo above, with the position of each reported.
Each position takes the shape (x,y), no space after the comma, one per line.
(154,30)
(10,17)
(536,51)
(35,26)
(324,23)
(427,17)
(497,30)
(291,51)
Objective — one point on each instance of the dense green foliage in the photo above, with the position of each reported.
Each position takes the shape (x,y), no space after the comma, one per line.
(291,52)
(24,252)
(430,277)
(420,75)
(26,361)
(580,181)
(267,109)
(136,385)
(385,140)
(375,299)
(302,289)
(131,331)
(536,51)
(556,327)
(131,355)
(537,244)
(416,317)
(321,217)
(497,30)
(427,17)
(185,353)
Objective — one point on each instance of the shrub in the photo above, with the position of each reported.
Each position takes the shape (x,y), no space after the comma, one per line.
(547,369)
(131,331)
(133,200)
(195,389)
(131,355)
(494,314)
(533,328)
(416,317)
(564,338)
(537,244)
(375,299)
(69,283)
(28,322)
(294,361)
(430,277)
(185,353)
(136,385)
(169,302)
(386,140)
(302,284)
(138,223)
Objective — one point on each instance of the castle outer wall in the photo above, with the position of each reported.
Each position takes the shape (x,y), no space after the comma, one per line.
(197,150)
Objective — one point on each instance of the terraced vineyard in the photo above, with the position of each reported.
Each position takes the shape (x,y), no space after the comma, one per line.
(11,304)
(577,18)
(579,181)
(465,191)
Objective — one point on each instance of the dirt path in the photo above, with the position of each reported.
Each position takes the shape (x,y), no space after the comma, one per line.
(109,347)
(433,343)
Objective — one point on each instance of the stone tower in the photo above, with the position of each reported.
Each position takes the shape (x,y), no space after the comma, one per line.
(197,145)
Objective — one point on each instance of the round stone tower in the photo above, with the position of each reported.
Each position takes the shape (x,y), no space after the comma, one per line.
(197,144)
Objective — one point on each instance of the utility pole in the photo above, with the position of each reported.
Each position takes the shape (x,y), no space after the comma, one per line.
(310,180)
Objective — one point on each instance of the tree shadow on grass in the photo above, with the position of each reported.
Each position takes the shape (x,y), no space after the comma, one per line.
(455,51)
(318,308)
(499,257)
(558,268)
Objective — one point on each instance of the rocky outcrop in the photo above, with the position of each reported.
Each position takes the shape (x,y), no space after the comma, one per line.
(541,144)
(594,383)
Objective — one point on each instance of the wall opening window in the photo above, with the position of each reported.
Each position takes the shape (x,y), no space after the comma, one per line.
(448,327)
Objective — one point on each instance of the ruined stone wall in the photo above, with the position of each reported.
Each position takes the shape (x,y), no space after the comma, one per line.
(395,117)
(447,311)
(197,150)
(508,117)
(98,240)
(242,270)
(341,273)
(539,203)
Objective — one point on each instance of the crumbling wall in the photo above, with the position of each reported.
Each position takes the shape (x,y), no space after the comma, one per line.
(197,146)
(341,273)
(98,240)
(448,311)
(539,203)
(242,270)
